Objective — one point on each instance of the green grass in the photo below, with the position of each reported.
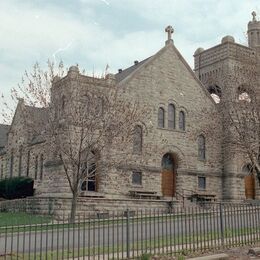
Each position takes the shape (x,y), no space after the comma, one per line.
(16,219)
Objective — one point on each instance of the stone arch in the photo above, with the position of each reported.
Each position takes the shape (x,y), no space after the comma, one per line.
(213,85)
(244,93)
(181,162)
(215,92)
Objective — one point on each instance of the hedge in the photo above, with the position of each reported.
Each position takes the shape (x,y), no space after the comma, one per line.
(16,187)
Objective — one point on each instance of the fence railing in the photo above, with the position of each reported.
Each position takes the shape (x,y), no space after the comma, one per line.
(129,234)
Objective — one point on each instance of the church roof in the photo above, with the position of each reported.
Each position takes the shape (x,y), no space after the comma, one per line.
(3,135)
(122,75)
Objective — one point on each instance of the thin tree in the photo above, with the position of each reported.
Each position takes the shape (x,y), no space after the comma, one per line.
(240,108)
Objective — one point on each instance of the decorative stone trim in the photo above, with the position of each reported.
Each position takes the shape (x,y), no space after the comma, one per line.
(200,173)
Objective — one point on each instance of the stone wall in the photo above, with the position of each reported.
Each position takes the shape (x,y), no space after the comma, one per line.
(88,207)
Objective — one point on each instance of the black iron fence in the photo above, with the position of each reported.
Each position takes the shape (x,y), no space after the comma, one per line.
(129,234)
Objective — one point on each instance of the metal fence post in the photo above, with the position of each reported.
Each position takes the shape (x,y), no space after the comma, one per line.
(127,235)
(221,223)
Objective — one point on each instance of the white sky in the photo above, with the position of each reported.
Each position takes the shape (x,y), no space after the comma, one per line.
(94,33)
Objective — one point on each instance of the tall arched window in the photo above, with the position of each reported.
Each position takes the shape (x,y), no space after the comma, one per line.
(201,147)
(137,139)
(243,94)
(171,116)
(161,117)
(63,101)
(215,92)
(182,121)
(247,169)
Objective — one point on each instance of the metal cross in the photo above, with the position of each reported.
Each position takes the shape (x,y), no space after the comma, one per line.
(170,31)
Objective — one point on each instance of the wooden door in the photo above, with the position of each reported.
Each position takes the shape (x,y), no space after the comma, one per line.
(250,187)
(168,183)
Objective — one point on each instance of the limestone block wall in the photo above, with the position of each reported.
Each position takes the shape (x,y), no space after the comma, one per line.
(59,207)
(165,80)
(187,184)
(118,183)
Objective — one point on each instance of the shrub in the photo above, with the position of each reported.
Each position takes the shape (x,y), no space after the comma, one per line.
(16,187)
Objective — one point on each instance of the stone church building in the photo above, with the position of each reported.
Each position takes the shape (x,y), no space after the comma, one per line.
(189,160)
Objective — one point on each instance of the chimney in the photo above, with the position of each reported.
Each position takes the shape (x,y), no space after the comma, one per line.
(136,62)
(120,70)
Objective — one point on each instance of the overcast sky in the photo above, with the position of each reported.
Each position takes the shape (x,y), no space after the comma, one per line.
(94,33)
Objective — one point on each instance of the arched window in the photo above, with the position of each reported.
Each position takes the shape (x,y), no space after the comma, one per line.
(201,147)
(182,121)
(215,92)
(167,162)
(171,116)
(137,139)
(63,101)
(89,182)
(243,94)
(100,106)
(161,117)
(247,169)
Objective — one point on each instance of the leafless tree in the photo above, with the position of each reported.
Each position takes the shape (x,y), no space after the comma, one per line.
(89,133)
(240,108)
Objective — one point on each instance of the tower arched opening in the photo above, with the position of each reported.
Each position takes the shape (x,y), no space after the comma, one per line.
(215,92)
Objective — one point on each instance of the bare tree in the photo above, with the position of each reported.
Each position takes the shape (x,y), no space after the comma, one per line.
(34,88)
(94,133)
(90,132)
(240,108)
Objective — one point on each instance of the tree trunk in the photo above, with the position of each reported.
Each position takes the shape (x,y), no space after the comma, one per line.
(73,207)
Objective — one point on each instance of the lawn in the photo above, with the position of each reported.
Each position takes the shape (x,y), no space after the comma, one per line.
(20,218)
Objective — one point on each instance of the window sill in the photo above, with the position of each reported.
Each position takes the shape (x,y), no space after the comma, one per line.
(172,130)
(137,186)
(135,153)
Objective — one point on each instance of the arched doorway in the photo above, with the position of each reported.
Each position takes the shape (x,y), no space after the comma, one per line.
(249,182)
(168,175)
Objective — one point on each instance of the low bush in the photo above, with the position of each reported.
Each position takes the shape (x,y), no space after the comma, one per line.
(16,187)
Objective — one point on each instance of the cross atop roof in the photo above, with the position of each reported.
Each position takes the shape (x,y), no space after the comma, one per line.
(169,31)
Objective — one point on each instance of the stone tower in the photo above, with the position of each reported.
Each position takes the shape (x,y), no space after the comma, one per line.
(223,70)
(253,32)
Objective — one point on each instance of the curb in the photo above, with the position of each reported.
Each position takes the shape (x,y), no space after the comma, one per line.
(212,257)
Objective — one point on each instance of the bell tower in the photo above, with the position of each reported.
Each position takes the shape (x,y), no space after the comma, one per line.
(228,71)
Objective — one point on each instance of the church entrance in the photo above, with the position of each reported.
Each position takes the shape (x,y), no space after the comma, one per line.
(250,186)
(168,175)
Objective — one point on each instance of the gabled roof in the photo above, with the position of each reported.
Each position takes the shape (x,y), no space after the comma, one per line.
(122,75)
(131,71)
(3,135)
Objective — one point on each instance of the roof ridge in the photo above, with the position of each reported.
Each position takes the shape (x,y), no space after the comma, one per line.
(127,71)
